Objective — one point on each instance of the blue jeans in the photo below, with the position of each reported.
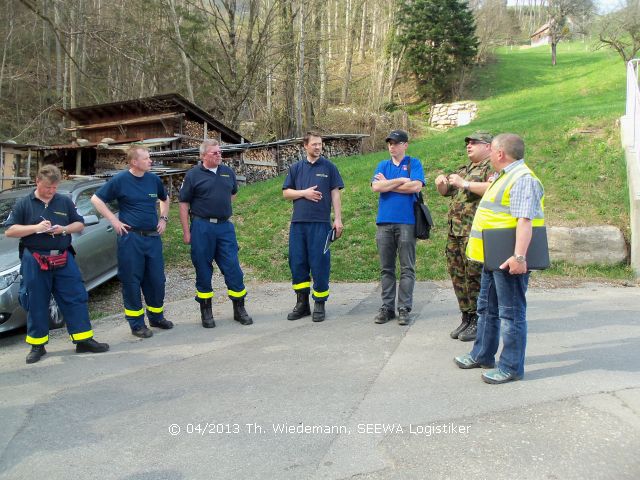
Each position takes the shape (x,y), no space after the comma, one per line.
(502,305)
(397,240)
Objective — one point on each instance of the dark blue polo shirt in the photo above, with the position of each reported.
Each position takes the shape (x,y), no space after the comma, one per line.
(304,174)
(30,210)
(394,207)
(137,198)
(209,194)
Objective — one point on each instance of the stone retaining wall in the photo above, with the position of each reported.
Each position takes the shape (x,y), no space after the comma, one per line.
(448,115)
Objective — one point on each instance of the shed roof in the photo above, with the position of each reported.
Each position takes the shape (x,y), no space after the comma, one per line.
(171,102)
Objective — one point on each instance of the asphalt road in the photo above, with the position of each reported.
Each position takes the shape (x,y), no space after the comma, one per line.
(342,399)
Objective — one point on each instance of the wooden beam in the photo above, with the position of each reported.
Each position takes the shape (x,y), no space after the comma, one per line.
(132,121)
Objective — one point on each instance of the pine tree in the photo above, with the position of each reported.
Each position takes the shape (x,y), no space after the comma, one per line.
(440,41)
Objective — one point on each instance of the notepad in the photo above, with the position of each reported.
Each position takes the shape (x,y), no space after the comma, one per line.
(499,244)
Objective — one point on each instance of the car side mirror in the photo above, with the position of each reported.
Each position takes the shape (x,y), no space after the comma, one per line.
(90,220)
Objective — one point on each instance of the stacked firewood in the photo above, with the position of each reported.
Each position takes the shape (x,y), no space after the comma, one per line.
(111,160)
(342,147)
(256,173)
(172,184)
(265,156)
(289,154)
(192,129)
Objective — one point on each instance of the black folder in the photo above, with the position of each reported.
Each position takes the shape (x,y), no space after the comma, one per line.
(499,244)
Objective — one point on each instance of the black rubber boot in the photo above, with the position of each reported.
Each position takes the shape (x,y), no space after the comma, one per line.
(302,308)
(462,327)
(318,312)
(91,346)
(471,331)
(239,312)
(206,313)
(37,351)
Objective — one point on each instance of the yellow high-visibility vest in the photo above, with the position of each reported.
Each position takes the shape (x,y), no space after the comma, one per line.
(494,212)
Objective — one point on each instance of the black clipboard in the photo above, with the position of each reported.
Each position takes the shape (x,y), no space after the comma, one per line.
(499,244)
(331,237)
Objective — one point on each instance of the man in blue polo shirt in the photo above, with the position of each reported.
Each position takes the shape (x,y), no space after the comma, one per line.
(397,180)
(314,185)
(206,195)
(140,260)
(44,222)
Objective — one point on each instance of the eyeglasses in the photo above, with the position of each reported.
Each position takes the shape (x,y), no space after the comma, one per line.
(476,142)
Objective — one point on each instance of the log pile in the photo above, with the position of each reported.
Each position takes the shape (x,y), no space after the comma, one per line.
(111,160)
(192,129)
(256,173)
(289,154)
(172,184)
(341,147)
(261,156)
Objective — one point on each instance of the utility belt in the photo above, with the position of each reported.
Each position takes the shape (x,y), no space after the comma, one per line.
(210,219)
(144,233)
(51,261)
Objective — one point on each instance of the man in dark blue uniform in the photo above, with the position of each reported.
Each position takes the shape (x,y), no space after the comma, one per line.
(140,260)
(206,195)
(314,185)
(44,222)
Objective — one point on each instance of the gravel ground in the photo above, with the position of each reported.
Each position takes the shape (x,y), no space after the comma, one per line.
(107,300)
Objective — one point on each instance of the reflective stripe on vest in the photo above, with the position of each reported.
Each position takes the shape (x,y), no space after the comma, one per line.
(494,210)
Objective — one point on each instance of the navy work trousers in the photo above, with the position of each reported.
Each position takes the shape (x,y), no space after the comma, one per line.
(216,241)
(307,258)
(141,266)
(68,290)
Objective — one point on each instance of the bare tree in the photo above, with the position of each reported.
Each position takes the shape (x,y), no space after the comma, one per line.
(561,14)
(620,30)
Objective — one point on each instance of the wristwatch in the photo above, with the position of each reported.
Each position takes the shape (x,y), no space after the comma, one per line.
(520,258)
(165,218)
(465,186)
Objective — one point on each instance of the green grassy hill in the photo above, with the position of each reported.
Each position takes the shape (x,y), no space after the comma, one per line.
(568,116)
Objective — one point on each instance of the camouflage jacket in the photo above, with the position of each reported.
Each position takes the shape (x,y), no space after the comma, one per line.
(464,204)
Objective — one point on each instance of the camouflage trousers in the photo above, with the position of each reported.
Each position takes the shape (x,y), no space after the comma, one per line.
(465,274)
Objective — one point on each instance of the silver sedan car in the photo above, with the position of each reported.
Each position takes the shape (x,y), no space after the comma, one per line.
(95,248)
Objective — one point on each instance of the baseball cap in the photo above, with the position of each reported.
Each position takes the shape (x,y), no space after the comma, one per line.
(399,136)
(479,136)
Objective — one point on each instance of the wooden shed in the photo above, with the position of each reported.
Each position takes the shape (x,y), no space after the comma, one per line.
(18,164)
(102,133)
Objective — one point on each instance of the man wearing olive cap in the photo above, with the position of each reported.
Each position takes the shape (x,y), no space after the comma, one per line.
(465,186)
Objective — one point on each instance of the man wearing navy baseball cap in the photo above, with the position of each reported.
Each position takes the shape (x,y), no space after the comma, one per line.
(397,180)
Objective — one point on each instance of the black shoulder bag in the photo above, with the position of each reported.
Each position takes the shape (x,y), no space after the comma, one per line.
(423,215)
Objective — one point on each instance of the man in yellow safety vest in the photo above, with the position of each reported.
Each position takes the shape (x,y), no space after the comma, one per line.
(514,200)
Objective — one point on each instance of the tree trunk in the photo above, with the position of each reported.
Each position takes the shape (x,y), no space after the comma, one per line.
(363,32)
(300,69)
(322,61)
(185,61)
(553,52)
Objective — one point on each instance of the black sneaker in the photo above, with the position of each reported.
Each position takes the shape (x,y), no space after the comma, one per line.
(142,332)
(37,351)
(163,323)
(384,315)
(403,316)
(91,346)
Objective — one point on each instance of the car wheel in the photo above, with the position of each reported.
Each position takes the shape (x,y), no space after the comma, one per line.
(55,315)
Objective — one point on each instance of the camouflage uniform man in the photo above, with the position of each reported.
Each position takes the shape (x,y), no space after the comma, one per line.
(465,187)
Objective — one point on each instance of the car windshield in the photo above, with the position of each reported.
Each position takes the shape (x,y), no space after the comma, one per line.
(6,205)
